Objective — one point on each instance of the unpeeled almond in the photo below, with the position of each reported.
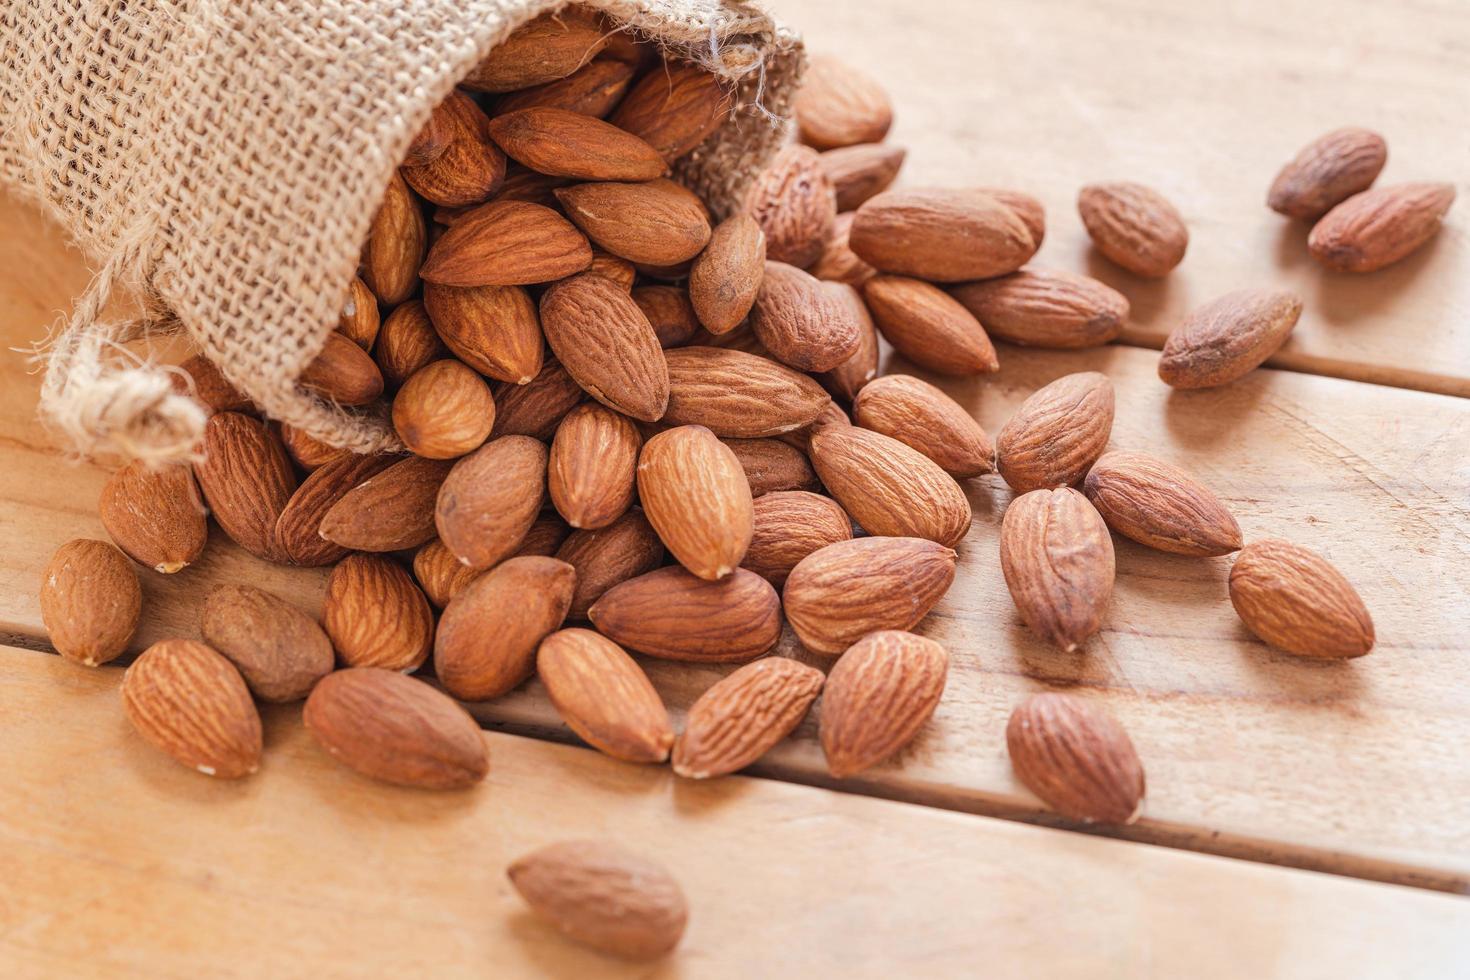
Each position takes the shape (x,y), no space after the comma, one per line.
(190,702)
(1297,601)
(493,329)
(802,323)
(941,235)
(1057,559)
(389,510)
(279,650)
(789,525)
(1046,308)
(156,515)
(625,549)
(839,105)
(90,601)
(562,143)
(740,718)
(656,223)
(490,499)
(1160,505)
(1380,226)
(676,108)
(592,467)
(793,201)
(1229,337)
(879,694)
(1057,433)
(674,615)
(1078,759)
(604,696)
(929,327)
(726,276)
(607,345)
(246,478)
(376,615)
(443,411)
(697,498)
(739,395)
(924,418)
(1328,171)
(1134,226)
(507,243)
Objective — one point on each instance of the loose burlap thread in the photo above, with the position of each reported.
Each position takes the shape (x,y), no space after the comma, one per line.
(222,160)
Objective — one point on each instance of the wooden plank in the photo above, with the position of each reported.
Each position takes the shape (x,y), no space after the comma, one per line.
(119,862)
(1204,102)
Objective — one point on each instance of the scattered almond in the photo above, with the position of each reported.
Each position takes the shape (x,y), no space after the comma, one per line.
(493,329)
(90,601)
(299,528)
(389,511)
(726,276)
(246,479)
(591,471)
(861,171)
(838,262)
(674,615)
(360,320)
(279,650)
(604,696)
(1046,308)
(839,105)
(563,143)
(657,223)
(1078,759)
(190,702)
(742,717)
(1296,601)
(406,343)
(536,408)
(772,465)
(542,50)
(801,322)
(1328,171)
(929,327)
(440,574)
(1158,504)
(675,108)
(607,345)
(1380,226)
(1228,338)
(375,615)
(490,499)
(739,395)
(941,235)
(861,366)
(879,694)
(395,245)
(443,411)
(507,243)
(593,90)
(924,418)
(1057,559)
(1134,226)
(794,203)
(471,168)
(1057,433)
(789,525)
(155,515)
(625,549)
(696,496)
(669,312)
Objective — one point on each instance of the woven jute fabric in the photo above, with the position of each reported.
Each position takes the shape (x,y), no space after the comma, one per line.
(223,159)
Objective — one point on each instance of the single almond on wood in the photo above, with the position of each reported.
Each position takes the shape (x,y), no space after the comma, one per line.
(360,320)
(941,235)
(1057,559)
(507,243)
(1328,171)
(389,511)
(772,465)
(669,312)
(246,479)
(490,499)
(929,327)
(471,168)
(625,549)
(1046,308)
(726,276)
(537,407)
(90,601)
(675,108)
(879,694)
(839,263)
(922,417)
(604,696)
(861,366)
(493,329)
(189,701)
(1380,226)
(789,525)
(593,90)
(406,342)
(861,171)
(674,615)
(299,528)
(542,50)
(343,372)
(1158,504)
(840,105)
(1134,226)
(440,574)
(801,322)
(742,717)
(1057,433)
(793,201)
(1228,338)
(696,496)
(1297,601)
(1078,759)
(279,650)
(563,143)
(607,345)
(592,468)
(155,514)
(395,245)
(657,223)
(443,411)
(375,615)
(739,395)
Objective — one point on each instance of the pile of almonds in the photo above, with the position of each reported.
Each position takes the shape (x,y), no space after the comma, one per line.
(628,430)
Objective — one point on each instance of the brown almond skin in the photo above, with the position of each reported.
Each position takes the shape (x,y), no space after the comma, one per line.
(801,322)
(593,90)
(406,343)
(155,515)
(507,243)
(493,329)
(840,593)
(607,345)
(941,235)
(440,574)
(695,494)
(491,498)
(889,488)
(739,395)
(542,50)
(593,465)
(1160,505)
(1057,559)
(343,372)
(396,729)
(879,694)
(793,201)
(741,717)
(625,549)
(298,530)
(189,701)
(1134,226)
(203,381)
(1078,759)
(1295,600)
(537,407)
(929,327)
(669,312)
(922,417)
(603,896)
(861,171)
(861,366)
(1380,226)
(488,635)
(246,479)
(789,525)
(839,105)
(431,141)
(308,452)
(471,168)
(90,601)
(395,245)
(674,615)
(1057,433)
(726,276)
(1328,170)
(389,511)
(656,223)
(360,319)
(544,538)
(1228,338)
(839,263)
(604,696)
(675,108)
(279,650)
(620,271)
(1046,308)
(563,143)
(772,465)
(443,411)
(375,615)
(1030,210)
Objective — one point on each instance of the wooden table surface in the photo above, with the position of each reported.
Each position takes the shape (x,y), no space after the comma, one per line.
(117,862)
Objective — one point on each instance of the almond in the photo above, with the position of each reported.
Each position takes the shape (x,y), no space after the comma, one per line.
(544,538)
(1380,226)
(793,201)
(389,511)
(1057,433)
(440,574)
(838,105)
(838,262)
(432,139)
(673,615)
(1328,171)
(1134,226)
(726,276)
(343,372)
(1031,211)
(395,245)
(929,327)
(604,696)
(742,717)
(563,143)
(202,380)
(739,395)
(190,702)
(922,417)
(1046,308)
(1078,759)
(246,479)
(941,235)
(307,451)
(490,499)
(592,467)
(889,488)
(490,630)
(858,172)
(1228,338)
(802,438)
(444,411)
(471,168)
(841,593)
(1058,564)
(605,557)
(522,184)
(279,650)
(1296,601)
(493,329)
(609,266)
(542,50)
(507,243)
(90,601)
(669,312)
(602,896)
(771,465)
(880,693)
(696,496)
(406,343)
(675,108)
(655,223)
(801,322)
(1158,504)
(396,729)
(360,321)
(607,345)
(155,515)
(299,528)
(593,90)
(861,366)
(376,616)
(536,408)
(789,525)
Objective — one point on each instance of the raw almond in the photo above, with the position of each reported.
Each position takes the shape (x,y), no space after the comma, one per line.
(155,515)
(544,538)
(889,488)
(742,717)
(493,329)
(726,276)
(389,511)
(1058,564)
(603,896)
(489,632)
(563,143)
(1027,208)
(440,574)
(625,549)
(307,451)
(929,327)
(1296,601)
(739,395)
(395,245)
(507,243)
(669,312)
(696,496)
(537,407)
(674,615)
(771,465)
(202,380)
(246,479)
(861,366)
(607,345)
(861,171)
(793,201)
(1134,226)
(522,184)
(657,223)
(604,696)
(190,702)
(1380,226)
(789,525)
(922,417)
(1057,433)
(609,266)
(279,650)
(390,727)
(880,693)
(839,105)
(443,411)
(1158,504)
(846,590)
(490,499)
(299,528)
(839,263)
(90,601)
(471,168)
(343,372)
(592,467)
(1228,338)
(941,235)
(376,616)
(542,50)
(406,342)
(593,90)
(360,321)
(1328,171)
(801,322)
(1078,759)
(432,139)
(675,108)
(1046,308)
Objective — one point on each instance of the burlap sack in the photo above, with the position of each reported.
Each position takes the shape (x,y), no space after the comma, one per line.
(223,159)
